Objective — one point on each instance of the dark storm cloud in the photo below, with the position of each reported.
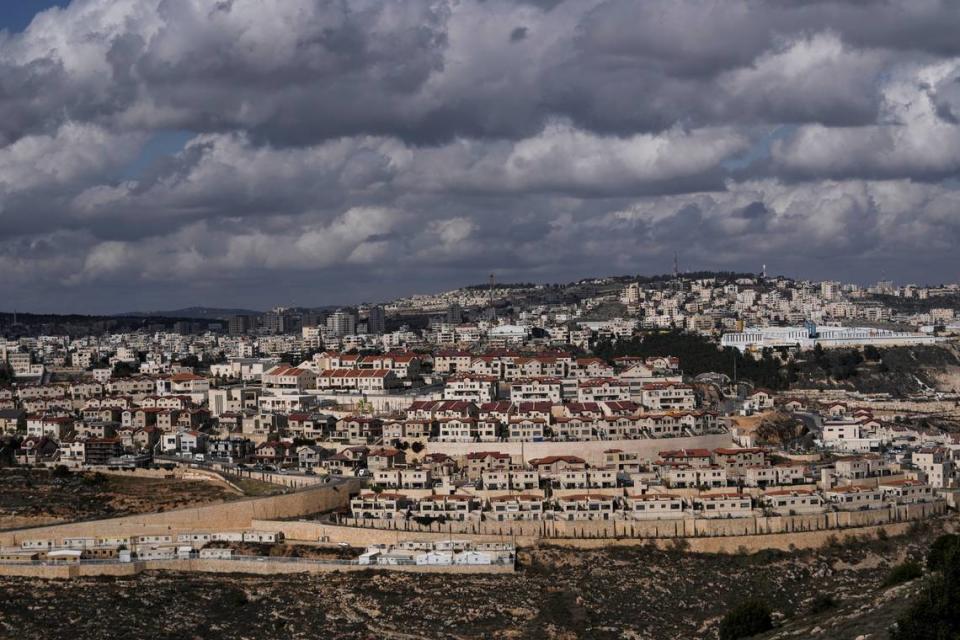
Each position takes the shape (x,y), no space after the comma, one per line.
(306,70)
(365,148)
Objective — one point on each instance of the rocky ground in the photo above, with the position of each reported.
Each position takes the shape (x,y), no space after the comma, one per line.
(35,497)
(620,592)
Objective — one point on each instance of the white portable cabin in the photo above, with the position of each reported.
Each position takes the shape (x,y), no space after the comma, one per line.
(473,557)
(68,556)
(80,543)
(152,539)
(262,536)
(435,558)
(40,544)
(201,538)
(452,545)
(397,558)
(227,536)
(113,541)
(156,553)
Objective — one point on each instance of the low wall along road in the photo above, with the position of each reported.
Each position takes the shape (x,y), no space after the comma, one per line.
(253,565)
(224,516)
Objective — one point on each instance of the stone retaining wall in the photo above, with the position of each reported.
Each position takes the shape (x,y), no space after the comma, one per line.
(589,450)
(533,532)
(224,516)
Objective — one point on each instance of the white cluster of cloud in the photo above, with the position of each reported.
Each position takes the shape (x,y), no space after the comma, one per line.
(345,151)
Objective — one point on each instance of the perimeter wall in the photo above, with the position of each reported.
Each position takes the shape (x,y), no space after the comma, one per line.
(223,516)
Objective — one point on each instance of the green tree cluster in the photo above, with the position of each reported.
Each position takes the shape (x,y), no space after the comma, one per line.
(700,355)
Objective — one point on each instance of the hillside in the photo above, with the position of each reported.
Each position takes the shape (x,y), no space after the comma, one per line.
(862,614)
(196,313)
(900,371)
(557,593)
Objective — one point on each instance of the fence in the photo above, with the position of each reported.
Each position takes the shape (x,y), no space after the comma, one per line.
(263,565)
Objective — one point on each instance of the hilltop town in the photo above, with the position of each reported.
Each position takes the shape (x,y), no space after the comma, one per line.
(453,432)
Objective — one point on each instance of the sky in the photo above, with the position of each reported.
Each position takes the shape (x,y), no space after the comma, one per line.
(157,154)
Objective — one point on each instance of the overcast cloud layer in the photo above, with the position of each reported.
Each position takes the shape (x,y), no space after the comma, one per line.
(358,150)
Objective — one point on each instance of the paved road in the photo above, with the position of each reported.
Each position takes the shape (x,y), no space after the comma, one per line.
(287,479)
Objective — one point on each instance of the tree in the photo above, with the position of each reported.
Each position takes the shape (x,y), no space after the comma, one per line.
(191,361)
(935,612)
(820,357)
(61,471)
(699,355)
(364,406)
(936,557)
(122,370)
(745,620)
(904,572)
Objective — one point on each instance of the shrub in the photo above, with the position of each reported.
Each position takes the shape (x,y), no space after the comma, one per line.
(747,619)
(938,550)
(417,447)
(61,471)
(822,602)
(904,572)
(96,478)
(679,545)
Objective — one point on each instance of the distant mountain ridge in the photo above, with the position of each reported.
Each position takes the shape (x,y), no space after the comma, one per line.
(200,313)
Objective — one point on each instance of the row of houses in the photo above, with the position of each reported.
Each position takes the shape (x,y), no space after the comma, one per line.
(605,506)
(652,396)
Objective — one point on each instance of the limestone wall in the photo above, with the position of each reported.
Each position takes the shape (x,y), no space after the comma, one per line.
(223,516)
(750,544)
(589,450)
(531,532)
